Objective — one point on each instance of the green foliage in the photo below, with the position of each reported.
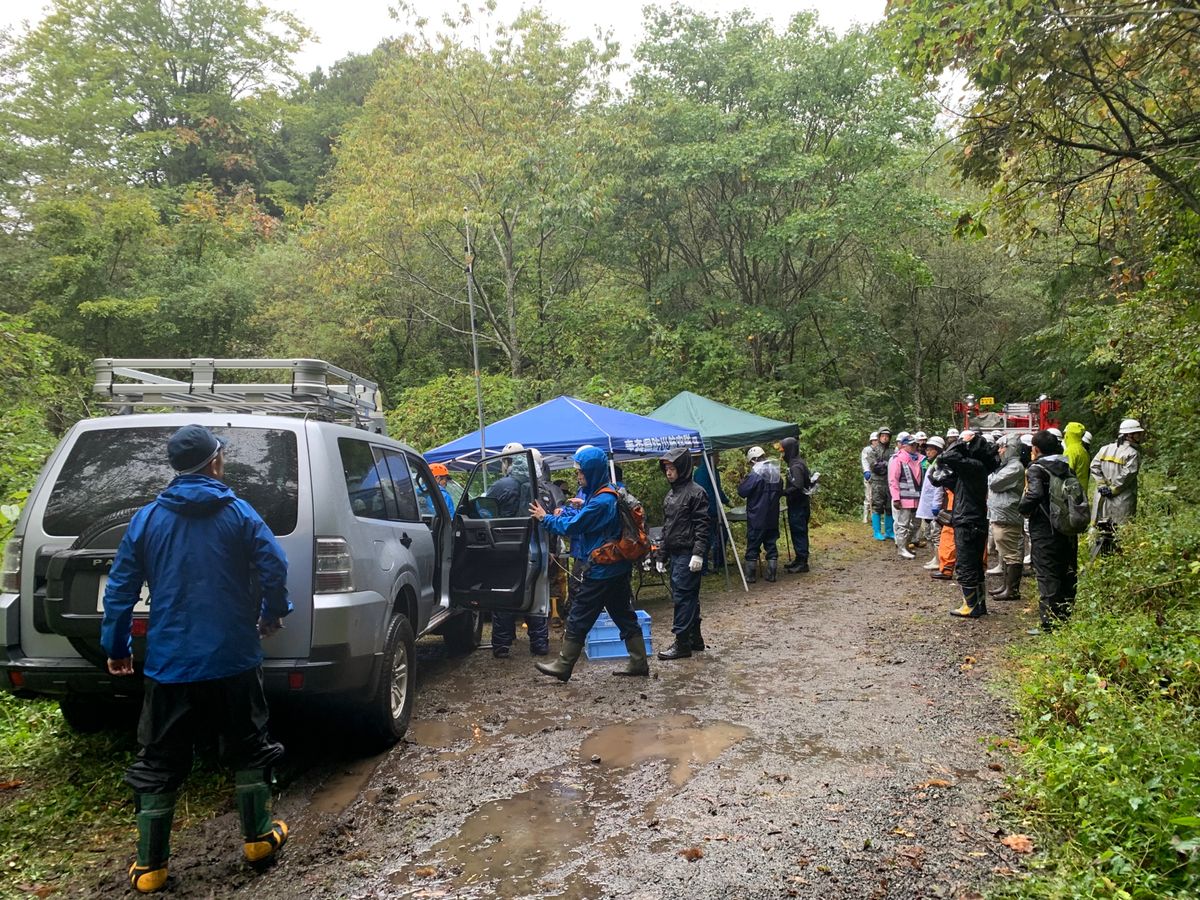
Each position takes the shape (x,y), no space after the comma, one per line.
(40,395)
(1110,709)
(70,786)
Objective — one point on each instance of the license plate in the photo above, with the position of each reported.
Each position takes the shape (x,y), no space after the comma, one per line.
(142,606)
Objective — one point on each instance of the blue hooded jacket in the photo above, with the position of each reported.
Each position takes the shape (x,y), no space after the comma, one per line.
(199,547)
(597,522)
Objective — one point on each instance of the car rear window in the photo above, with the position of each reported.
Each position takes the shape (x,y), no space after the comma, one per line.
(111,470)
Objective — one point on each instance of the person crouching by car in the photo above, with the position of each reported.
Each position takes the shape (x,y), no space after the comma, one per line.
(684,540)
(599,585)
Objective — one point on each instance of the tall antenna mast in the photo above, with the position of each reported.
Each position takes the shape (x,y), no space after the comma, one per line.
(470,270)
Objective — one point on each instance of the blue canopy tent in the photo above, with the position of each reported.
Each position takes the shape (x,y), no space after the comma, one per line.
(561,426)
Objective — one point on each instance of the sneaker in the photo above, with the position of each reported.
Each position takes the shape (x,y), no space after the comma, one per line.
(905,553)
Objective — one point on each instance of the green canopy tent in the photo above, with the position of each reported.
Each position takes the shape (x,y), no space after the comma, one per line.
(723,427)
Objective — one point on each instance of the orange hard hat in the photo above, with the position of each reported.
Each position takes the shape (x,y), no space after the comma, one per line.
(439,470)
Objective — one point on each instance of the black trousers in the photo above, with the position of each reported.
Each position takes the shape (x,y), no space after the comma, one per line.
(175,715)
(1055,559)
(970,545)
(797,518)
(595,594)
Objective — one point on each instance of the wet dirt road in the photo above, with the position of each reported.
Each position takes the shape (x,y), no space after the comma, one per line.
(838,739)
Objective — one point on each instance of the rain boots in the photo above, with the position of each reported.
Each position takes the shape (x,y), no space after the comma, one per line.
(772,569)
(973,606)
(889,532)
(263,836)
(1012,583)
(154,814)
(798,565)
(637,665)
(697,638)
(877,526)
(567,657)
(680,649)
(751,571)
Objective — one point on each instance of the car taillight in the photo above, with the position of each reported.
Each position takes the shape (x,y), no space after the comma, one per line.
(10,571)
(333,567)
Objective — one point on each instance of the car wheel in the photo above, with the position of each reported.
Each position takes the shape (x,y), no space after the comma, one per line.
(390,707)
(463,632)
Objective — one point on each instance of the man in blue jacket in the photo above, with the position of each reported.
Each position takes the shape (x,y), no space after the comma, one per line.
(598,585)
(218,583)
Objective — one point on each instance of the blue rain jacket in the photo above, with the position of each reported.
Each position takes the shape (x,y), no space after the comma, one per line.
(199,547)
(597,522)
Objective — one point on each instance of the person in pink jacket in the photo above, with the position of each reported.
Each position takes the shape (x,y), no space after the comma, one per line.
(904,482)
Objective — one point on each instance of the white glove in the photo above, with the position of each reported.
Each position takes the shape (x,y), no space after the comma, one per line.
(660,565)
(696,563)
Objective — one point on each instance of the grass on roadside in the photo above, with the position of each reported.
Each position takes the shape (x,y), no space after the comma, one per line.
(63,805)
(1110,726)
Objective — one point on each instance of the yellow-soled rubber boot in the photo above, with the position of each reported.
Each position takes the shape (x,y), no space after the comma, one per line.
(973,606)
(155,812)
(262,836)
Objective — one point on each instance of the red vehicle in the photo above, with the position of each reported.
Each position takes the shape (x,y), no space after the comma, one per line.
(984,414)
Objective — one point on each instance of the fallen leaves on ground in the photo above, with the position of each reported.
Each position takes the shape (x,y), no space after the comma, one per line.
(691,854)
(425,871)
(10,785)
(934,782)
(1021,843)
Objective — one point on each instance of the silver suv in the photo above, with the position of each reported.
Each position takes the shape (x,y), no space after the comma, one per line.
(375,559)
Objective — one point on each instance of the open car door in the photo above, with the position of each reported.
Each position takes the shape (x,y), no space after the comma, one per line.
(500,554)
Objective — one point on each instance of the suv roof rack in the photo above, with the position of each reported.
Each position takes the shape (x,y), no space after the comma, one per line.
(309,392)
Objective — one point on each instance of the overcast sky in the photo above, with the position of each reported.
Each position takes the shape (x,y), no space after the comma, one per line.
(349,26)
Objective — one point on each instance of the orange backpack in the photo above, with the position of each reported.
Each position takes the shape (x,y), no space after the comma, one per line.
(633,543)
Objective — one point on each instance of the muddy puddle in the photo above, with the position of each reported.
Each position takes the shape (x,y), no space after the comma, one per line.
(678,739)
(527,845)
(342,787)
(538,843)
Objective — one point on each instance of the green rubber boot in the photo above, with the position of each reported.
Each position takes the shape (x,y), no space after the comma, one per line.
(567,657)
(637,665)
(262,836)
(154,815)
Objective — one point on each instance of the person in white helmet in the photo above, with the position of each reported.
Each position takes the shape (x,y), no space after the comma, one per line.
(951,437)
(933,499)
(1114,472)
(762,489)
(877,477)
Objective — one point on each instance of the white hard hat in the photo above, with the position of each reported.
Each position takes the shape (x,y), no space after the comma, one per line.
(1027,440)
(996,435)
(1057,432)
(756,453)
(936,441)
(1130,426)
(902,437)
(537,457)
(1087,437)
(513,446)
(951,432)
(885,430)
(920,436)
(874,436)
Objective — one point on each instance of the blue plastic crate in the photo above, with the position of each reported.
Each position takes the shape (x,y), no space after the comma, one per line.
(604,640)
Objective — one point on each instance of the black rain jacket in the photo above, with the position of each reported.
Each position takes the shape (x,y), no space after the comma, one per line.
(798,479)
(685,508)
(964,469)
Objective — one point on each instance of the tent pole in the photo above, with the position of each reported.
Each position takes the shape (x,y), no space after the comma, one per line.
(712,474)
